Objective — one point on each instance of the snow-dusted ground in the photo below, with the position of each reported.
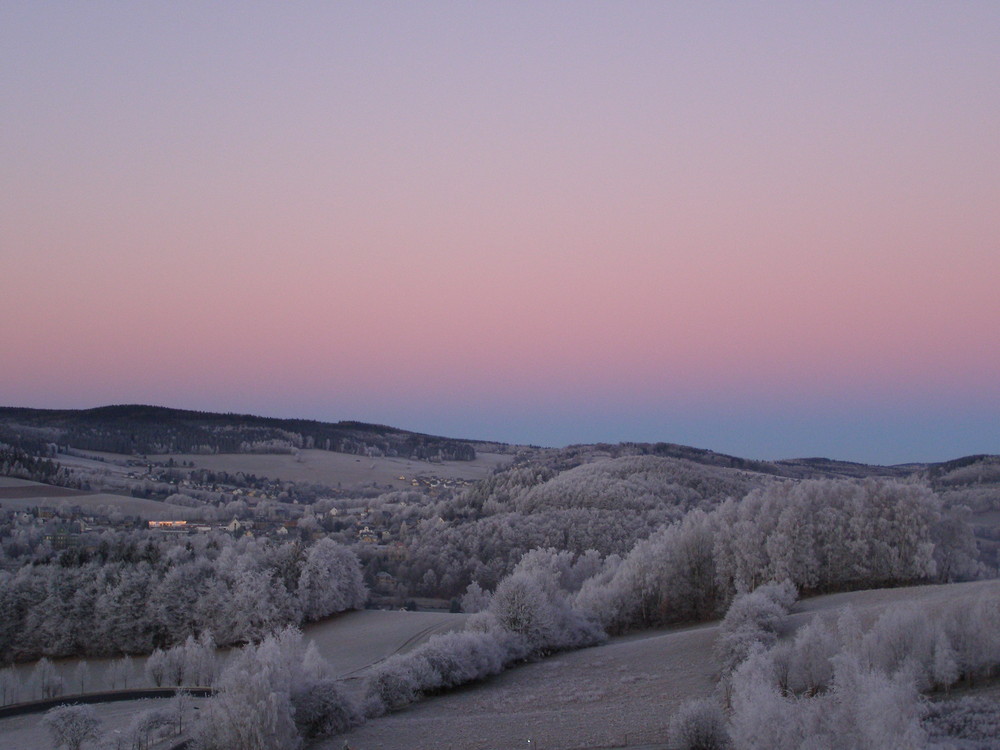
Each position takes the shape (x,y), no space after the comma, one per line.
(14,482)
(622,693)
(355,640)
(610,695)
(869,604)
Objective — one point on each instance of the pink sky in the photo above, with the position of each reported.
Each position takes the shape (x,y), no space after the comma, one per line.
(767,229)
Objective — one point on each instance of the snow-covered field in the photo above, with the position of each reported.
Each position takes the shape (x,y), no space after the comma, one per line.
(318,466)
(12,482)
(355,640)
(327,467)
(620,693)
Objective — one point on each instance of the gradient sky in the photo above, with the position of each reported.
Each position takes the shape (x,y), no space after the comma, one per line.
(769,229)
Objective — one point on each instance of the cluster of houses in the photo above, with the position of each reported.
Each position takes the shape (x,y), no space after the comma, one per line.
(432,485)
(236,526)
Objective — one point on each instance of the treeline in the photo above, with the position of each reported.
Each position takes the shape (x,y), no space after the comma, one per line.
(758,527)
(15,462)
(240,590)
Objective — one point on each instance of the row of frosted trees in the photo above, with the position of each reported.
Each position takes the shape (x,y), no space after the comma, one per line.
(822,536)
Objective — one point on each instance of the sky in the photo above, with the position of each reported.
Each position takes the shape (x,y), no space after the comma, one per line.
(769,229)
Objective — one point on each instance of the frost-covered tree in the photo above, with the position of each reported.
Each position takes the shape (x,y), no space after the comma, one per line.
(81,677)
(119,673)
(945,670)
(330,581)
(253,708)
(475,599)
(268,698)
(873,711)
(864,709)
(156,667)
(71,726)
(520,606)
(10,686)
(148,726)
(45,680)
(198,658)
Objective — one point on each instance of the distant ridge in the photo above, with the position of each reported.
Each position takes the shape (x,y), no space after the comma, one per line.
(146,429)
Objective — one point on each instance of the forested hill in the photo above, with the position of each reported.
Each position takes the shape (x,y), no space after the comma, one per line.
(138,429)
(793,468)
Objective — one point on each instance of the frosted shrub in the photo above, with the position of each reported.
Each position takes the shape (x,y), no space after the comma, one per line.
(322,709)
(863,710)
(463,657)
(530,605)
(699,725)
(761,716)
(783,594)
(751,619)
(873,711)
(811,668)
(392,684)
(445,661)
(901,637)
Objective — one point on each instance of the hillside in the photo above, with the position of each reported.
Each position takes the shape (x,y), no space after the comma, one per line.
(620,694)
